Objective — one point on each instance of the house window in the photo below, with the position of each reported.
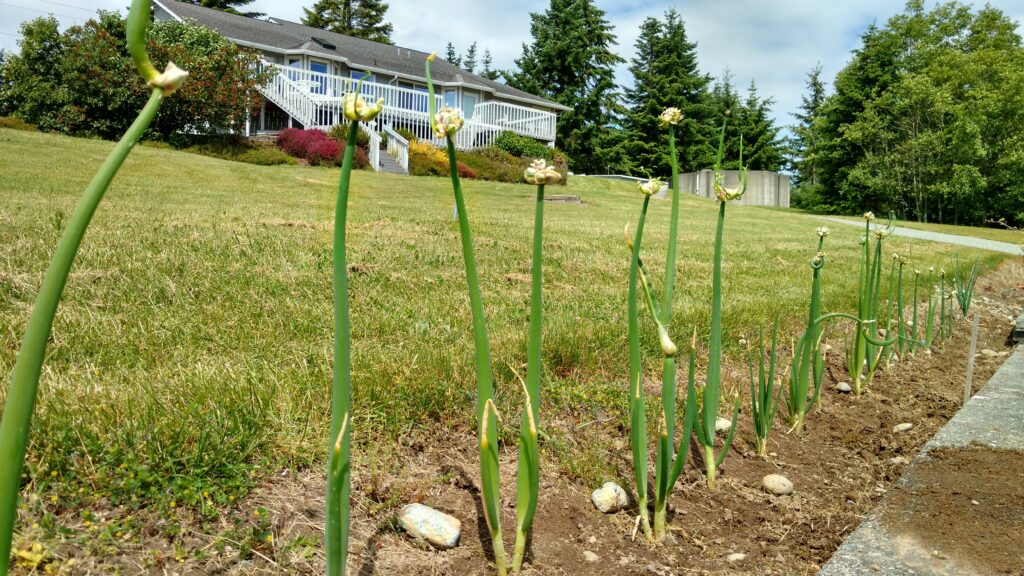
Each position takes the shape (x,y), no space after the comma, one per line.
(468,103)
(451,98)
(362,76)
(318,77)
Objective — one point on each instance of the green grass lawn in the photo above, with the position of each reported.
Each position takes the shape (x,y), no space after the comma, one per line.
(192,351)
(998,234)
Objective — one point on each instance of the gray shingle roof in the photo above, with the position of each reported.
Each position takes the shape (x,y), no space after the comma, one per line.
(359,53)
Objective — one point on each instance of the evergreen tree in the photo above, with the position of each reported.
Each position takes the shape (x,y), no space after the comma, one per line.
(469,60)
(227,6)
(369,21)
(762,149)
(488,72)
(665,74)
(357,18)
(802,160)
(451,56)
(571,62)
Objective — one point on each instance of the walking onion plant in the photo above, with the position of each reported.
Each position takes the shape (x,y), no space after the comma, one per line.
(668,464)
(705,426)
(865,352)
(764,401)
(339,475)
(963,284)
(445,124)
(808,362)
(21,394)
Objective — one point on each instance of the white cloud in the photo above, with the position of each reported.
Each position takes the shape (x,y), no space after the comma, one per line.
(774,43)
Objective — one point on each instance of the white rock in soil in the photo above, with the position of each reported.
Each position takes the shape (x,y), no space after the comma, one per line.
(899,460)
(610,498)
(590,556)
(736,557)
(989,353)
(723,425)
(844,387)
(424,523)
(902,427)
(777,484)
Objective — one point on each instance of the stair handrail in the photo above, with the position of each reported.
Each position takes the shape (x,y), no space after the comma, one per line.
(398,146)
(373,147)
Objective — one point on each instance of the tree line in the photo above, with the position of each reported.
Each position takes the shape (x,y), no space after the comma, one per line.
(926,121)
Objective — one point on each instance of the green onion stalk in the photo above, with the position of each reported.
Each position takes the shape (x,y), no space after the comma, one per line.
(930,329)
(528,474)
(24,383)
(705,427)
(637,410)
(446,123)
(764,401)
(914,341)
(668,464)
(808,361)
(942,305)
(963,284)
(864,354)
(339,477)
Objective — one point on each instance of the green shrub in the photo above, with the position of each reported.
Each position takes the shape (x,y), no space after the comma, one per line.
(265,156)
(12,123)
(489,169)
(522,146)
(231,147)
(339,132)
(407,134)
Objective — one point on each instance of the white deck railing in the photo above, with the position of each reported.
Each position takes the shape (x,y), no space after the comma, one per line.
(520,119)
(398,147)
(314,100)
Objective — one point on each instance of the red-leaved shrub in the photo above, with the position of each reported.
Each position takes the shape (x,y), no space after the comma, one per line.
(466,171)
(317,147)
(325,152)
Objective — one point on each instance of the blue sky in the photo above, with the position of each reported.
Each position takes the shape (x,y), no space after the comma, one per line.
(774,43)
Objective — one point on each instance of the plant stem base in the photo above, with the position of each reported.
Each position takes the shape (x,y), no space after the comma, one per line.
(709,464)
(499,554)
(519,551)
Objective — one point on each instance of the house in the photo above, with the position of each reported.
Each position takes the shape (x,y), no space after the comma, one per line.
(313,68)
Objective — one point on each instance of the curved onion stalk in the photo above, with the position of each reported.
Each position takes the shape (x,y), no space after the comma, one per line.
(764,400)
(808,362)
(637,411)
(712,390)
(528,474)
(487,413)
(21,394)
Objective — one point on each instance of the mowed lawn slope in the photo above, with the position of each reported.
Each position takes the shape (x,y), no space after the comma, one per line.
(192,351)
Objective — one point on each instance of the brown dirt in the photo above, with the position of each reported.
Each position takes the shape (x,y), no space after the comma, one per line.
(983,490)
(841,465)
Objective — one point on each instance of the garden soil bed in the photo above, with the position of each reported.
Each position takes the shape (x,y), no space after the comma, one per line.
(845,461)
(982,489)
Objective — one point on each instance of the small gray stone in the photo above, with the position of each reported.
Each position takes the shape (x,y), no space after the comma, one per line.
(610,498)
(736,557)
(590,556)
(902,427)
(723,425)
(844,387)
(777,484)
(424,523)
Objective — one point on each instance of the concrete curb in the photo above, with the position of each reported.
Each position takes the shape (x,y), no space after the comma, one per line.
(993,417)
